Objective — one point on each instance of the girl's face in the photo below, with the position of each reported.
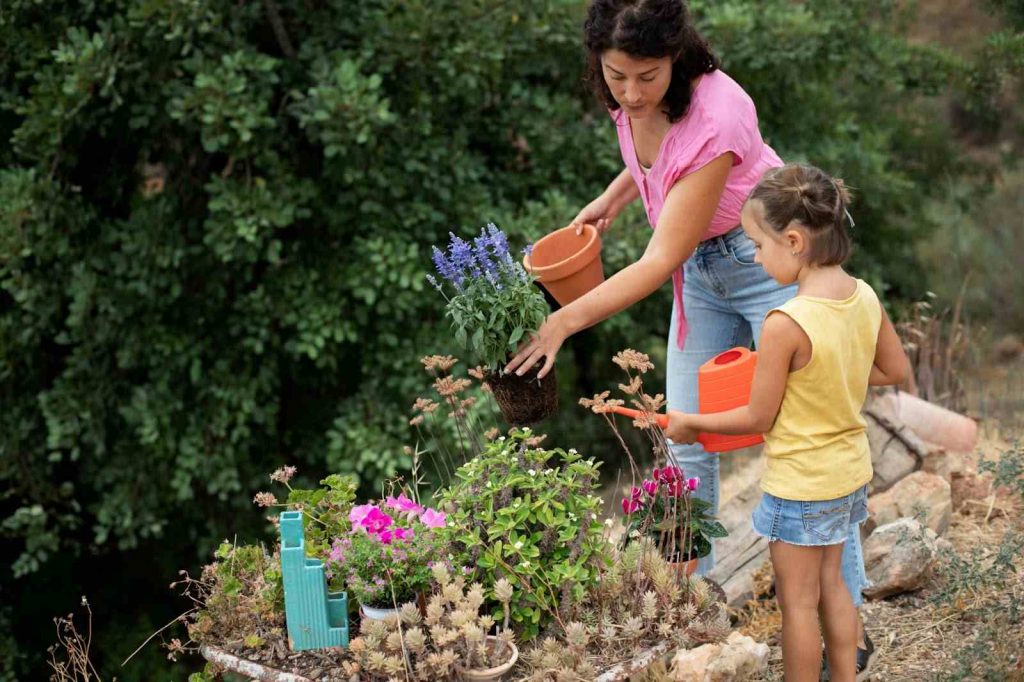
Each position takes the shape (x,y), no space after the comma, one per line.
(638,84)
(779,253)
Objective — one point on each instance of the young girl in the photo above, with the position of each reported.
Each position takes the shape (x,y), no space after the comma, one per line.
(817,355)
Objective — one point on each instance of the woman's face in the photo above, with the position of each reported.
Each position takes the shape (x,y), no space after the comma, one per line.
(638,84)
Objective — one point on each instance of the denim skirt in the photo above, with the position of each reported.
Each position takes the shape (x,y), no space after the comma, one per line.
(811,524)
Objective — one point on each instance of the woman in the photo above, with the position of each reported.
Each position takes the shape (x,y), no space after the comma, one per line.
(692,152)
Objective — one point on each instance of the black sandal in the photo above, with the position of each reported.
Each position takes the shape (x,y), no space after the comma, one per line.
(865,657)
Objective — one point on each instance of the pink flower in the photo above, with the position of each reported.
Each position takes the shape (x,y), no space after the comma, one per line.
(650,487)
(358,513)
(403,505)
(656,474)
(375,521)
(676,488)
(669,474)
(337,552)
(432,518)
(403,533)
(629,506)
(635,493)
(692,483)
(385,536)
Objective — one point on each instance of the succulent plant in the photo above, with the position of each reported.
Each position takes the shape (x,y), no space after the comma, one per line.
(638,602)
(450,636)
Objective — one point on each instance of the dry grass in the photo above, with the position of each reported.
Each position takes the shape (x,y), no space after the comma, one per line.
(942,631)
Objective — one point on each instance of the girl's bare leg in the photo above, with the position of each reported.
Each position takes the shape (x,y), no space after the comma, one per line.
(797,588)
(838,617)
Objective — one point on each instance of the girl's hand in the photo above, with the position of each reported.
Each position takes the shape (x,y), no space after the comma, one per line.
(544,344)
(597,213)
(680,428)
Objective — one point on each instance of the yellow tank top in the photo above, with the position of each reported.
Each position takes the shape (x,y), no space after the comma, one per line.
(818,447)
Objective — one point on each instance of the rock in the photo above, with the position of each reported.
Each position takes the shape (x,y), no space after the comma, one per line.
(920,495)
(942,463)
(738,658)
(968,485)
(890,457)
(1008,348)
(898,557)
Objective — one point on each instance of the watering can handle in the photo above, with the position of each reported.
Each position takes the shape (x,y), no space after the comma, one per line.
(660,419)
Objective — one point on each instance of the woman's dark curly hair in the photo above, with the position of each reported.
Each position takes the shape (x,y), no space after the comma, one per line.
(650,29)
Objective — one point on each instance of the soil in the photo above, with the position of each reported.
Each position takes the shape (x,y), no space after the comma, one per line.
(525,400)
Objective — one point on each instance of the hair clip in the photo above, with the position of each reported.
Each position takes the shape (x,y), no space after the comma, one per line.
(850,218)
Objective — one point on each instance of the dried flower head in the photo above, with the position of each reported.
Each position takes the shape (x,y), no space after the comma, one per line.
(447,386)
(416,421)
(492,433)
(283,475)
(477,372)
(633,387)
(535,441)
(425,405)
(265,499)
(443,363)
(631,359)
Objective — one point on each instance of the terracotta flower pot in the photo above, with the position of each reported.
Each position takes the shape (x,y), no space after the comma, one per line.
(684,567)
(498,671)
(567,264)
(521,399)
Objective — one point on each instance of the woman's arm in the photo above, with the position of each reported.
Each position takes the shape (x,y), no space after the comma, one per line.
(891,365)
(689,207)
(603,210)
(781,338)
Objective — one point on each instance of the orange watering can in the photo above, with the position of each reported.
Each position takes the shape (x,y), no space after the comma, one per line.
(723,383)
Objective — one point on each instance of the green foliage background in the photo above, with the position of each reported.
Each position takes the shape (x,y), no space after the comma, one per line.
(161,351)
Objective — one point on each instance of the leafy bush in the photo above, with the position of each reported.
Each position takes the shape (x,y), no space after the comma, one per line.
(531,516)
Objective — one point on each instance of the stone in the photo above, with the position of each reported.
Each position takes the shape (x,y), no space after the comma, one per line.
(899,557)
(890,457)
(1009,347)
(738,658)
(920,495)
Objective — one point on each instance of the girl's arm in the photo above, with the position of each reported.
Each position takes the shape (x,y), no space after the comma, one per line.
(891,365)
(781,338)
(689,207)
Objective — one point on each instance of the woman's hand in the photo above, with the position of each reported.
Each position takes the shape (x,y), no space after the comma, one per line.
(681,428)
(598,213)
(544,344)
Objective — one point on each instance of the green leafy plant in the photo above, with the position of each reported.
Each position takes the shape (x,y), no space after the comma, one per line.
(529,515)
(385,560)
(493,302)
(326,508)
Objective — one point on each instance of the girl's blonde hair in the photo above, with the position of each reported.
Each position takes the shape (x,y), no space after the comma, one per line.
(809,196)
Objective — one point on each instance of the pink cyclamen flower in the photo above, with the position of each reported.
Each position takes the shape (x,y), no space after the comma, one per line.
(676,488)
(669,474)
(404,533)
(629,506)
(635,493)
(693,483)
(432,518)
(650,487)
(403,505)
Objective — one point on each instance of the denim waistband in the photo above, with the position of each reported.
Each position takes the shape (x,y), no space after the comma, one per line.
(722,242)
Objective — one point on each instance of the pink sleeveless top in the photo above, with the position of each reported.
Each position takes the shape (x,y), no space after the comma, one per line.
(721,119)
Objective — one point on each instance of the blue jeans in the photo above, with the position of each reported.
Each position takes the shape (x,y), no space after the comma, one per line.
(726,296)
